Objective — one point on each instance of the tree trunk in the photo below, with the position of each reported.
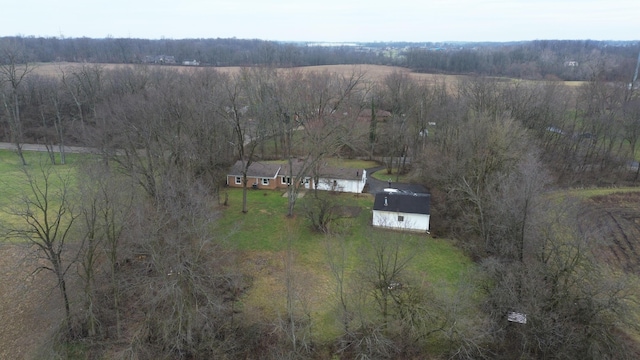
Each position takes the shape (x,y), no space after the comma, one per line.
(244,194)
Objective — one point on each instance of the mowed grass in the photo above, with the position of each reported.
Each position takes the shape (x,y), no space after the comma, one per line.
(271,243)
(591,192)
(13,180)
(265,227)
(383,175)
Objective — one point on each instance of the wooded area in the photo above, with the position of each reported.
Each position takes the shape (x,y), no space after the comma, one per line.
(156,282)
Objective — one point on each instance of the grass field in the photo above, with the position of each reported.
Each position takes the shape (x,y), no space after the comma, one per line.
(265,235)
(13,178)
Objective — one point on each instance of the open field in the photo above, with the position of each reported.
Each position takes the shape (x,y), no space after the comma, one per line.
(372,72)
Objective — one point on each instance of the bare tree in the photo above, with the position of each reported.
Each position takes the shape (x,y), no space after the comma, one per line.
(370,299)
(44,218)
(52,133)
(162,120)
(249,131)
(84,86)
(298,324)
(105,212)
(321,211)
(474,156)
(631,116)
(310,122)
(14,67)
(183,282)
(570,300)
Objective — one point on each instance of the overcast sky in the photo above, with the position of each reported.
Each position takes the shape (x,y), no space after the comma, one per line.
(326,20)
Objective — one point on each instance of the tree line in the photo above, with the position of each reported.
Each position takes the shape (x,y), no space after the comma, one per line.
(156,282)
(549,59)
(540,59)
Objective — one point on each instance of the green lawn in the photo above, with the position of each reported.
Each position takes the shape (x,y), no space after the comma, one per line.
(591,192)
(264,234)
(384,176)
(13,181)
(265,227)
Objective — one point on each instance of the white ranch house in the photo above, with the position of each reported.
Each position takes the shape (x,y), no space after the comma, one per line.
(276,176)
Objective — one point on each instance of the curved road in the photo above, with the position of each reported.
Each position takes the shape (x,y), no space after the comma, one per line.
(376,186)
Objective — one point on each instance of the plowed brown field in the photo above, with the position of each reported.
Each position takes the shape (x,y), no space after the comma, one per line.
(615,220)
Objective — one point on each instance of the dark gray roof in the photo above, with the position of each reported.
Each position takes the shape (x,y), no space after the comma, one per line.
(341,173)
(257,169)
(415,203)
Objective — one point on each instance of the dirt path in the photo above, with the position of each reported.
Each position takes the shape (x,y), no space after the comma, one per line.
(29,305)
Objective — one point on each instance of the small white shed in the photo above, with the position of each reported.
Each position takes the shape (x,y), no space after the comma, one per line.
(402,211)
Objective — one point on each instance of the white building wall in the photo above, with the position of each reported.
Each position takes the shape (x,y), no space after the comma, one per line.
(350,186)
(388,219)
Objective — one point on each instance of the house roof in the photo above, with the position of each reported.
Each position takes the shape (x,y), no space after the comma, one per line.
(256,169)
(341,173)
(412,203)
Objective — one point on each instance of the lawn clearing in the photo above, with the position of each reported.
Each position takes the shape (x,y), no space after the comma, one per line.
(265,235)
(14,183)
(383,175)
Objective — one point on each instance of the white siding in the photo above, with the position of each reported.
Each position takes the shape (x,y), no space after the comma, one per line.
(388,219)
(350,186)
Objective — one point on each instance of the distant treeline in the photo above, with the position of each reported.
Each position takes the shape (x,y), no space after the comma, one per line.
(542,59)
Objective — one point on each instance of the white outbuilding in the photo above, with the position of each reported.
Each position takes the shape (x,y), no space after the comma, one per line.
(402,211)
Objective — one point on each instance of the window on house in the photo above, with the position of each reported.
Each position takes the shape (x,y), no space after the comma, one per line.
(265,181)
(400,218)
(238,180)
(286,180)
